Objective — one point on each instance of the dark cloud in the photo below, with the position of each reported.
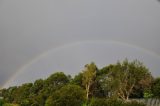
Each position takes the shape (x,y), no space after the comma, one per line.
(29,28)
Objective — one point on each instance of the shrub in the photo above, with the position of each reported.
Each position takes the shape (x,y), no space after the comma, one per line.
(98,102)
(1,102)
(105,102)
(134,103)
(112,102)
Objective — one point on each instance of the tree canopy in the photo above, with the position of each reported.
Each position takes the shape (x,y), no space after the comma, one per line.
(113,84)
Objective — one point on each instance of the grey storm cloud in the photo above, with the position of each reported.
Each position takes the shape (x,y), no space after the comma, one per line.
(29,28)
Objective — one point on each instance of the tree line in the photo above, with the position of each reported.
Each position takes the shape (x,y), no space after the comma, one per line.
(112,85)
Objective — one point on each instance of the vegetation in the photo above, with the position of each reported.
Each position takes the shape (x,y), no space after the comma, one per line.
(69,95)
(156,87)
(88,78)
(113,85)
(125,77)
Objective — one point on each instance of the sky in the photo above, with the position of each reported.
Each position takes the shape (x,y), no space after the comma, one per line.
(40,37)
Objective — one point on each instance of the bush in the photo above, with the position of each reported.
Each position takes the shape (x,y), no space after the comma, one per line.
(105,102)
(134,103)
(1,102)
(97,102)
(112,102)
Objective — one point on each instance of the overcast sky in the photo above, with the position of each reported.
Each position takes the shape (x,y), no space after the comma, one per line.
(40,37)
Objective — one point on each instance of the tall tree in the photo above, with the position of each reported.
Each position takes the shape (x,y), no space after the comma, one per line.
(89,76)
(126,76)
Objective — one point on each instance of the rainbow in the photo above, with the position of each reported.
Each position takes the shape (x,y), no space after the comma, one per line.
(45,53)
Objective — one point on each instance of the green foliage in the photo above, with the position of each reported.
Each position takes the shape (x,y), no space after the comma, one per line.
(148,93)
(105,102)
(98,102)
(25,102)
(113,102)
(1,102)
(69,95)
(22,93)
(156,87)
(56,80)
(37,86)
(8,94)
(89,77)
(133,103)
(78,79)
(123,77)
(109,86)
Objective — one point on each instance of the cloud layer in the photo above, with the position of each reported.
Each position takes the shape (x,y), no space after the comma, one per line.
(29,28)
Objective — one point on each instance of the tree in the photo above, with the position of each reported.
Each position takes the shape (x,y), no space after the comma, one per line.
(90,87)
(69,95)
(42,89)
(37,86)
(89,76)
(22,93)
(8,94)
(57,79)
(77,80)
(101,86)
(126,76)
(156,87)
